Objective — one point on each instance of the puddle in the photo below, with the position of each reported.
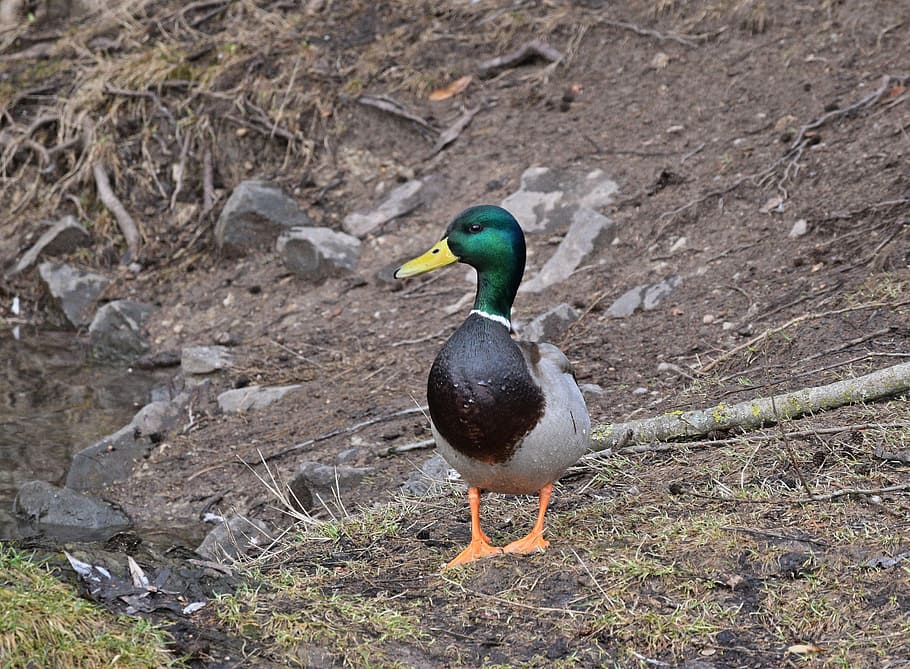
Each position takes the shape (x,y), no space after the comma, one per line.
(53,402)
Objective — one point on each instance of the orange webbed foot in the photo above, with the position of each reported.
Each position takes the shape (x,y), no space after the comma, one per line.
(529,544)
(480,543)
(534,541)
(476,550)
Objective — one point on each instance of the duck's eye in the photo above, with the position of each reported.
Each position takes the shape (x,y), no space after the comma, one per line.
(475,227)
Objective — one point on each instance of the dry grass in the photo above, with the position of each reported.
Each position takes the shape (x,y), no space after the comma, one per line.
(679,556)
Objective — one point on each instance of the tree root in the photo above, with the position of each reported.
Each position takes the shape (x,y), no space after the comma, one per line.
(126,223)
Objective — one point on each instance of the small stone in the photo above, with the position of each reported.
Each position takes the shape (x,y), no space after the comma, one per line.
(679,244)
(627,303)
(236,536)
(551,325)
(774,204)
(675,129)
(60,238)
(204,359)
(318,253)
(432,475)
(324,482)
(641,390)
(799,228)
(707,319)
(548,199)
(588,234)
(114,457)
(46,504)
(116,330)
(73,290)
(591,391)
(660,61)
(727,326)
(254,216)
(401,201)
(253,398)
(655,293)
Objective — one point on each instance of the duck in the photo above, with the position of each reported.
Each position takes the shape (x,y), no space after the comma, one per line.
(506,414)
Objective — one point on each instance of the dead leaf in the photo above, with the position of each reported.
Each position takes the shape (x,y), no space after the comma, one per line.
(452,89)
(774,204)
(803,649)
(896,90)
(660,60)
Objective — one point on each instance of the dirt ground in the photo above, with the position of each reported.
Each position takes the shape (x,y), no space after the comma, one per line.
(724,123)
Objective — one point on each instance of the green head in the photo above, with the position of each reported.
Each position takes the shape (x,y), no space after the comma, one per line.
(489,239)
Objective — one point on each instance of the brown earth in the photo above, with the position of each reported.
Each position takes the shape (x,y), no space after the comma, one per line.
(704,555)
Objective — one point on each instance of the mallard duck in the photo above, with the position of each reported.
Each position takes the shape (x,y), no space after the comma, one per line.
(506,414)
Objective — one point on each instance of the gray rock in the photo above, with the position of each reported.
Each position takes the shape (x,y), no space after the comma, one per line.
(114,457)
(799,228)
(588,233)
(116,330)
(627,303)
(318,253)
(60,238)
(591,391)
(47,504)
(74,291)
(644,297)
(655,294)
(548,199)
(402,200)
(252,398)
(317,484)
(432,475)
(551,325)
(204,359)
(236,536)
(253,217)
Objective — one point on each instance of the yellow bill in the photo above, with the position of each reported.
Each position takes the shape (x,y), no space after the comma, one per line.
(438,256)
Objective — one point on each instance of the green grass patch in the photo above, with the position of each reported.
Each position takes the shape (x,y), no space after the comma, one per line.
(44,623)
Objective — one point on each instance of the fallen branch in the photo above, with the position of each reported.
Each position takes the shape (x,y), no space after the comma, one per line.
(452,133)
(647,32)
(346,430)
(534,48)
(115,206)
(395,108)
(756,413)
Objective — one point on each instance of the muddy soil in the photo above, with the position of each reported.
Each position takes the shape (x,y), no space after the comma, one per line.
(724,124)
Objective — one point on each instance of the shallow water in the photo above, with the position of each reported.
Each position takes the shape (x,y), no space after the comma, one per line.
(54,401)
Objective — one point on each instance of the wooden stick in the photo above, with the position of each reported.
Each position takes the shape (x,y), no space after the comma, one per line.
(756,413)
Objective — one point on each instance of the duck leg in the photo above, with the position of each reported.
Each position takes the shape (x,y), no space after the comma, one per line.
(534,541)
(480,543)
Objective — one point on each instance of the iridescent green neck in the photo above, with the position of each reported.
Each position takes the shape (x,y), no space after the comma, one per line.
(496,289)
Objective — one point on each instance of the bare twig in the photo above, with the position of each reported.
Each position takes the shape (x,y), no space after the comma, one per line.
(413,446)
(452,133)
(395,108)
(685,40)
(115,206)
(180,169)
(346,430)
(529,50)
(855,491)
(208,182)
